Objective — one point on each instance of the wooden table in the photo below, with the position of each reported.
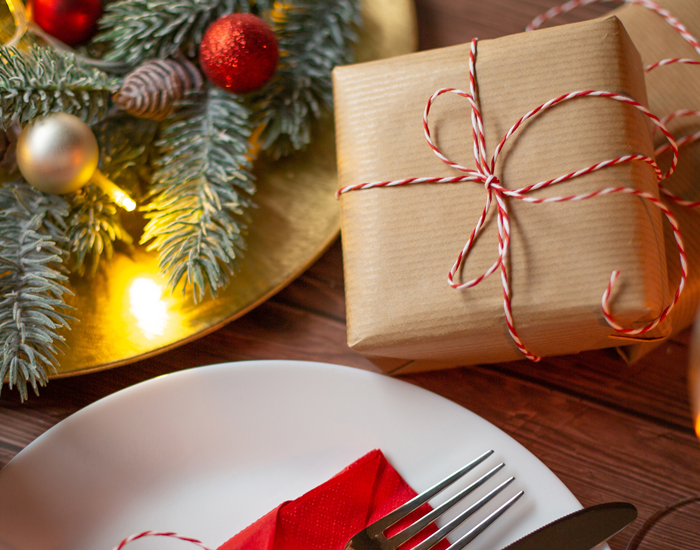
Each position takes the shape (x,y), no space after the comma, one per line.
(609,430)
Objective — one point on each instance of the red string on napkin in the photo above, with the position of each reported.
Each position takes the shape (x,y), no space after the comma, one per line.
(327,517)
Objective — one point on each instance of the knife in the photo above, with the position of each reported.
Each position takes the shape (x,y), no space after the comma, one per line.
(581,530)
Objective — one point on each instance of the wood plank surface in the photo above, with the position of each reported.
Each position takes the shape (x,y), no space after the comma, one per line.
(609,430)
(601,454)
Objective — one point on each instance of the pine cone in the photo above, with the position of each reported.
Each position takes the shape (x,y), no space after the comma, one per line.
(151,89)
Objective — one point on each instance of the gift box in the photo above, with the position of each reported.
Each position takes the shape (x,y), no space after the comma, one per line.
(399,243)
(671,88)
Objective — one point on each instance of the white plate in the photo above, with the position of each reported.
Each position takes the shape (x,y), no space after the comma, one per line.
(205,452)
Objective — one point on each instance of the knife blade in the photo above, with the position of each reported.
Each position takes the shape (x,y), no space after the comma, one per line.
(580,530)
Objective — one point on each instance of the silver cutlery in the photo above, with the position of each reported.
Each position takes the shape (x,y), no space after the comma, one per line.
(581,530)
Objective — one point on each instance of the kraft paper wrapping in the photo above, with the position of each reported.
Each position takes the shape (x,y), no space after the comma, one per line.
(672,88)
(400,243)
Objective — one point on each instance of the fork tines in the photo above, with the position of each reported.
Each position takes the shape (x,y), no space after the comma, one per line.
(376,530)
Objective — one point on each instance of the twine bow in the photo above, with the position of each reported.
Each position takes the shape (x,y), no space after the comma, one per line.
(485,173)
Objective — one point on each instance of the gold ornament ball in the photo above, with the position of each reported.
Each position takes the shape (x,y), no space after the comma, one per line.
(57,153)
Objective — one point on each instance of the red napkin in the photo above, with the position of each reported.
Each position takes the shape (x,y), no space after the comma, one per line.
(327,517)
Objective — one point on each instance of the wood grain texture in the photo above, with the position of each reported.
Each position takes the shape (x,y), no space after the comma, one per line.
(601,454)
(609,430)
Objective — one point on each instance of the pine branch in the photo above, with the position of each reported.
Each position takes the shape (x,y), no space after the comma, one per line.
(202,187)
(138,30)
(41,81)
(95,221)
(314,36)
(126,147)
(32,284)
(94,224)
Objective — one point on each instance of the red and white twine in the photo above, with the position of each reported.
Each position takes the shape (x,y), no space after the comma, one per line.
(687,36)
(485,174)
(170,534)
(682,141)
(538,21)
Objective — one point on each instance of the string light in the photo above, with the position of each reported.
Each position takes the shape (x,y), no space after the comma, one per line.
(111,189)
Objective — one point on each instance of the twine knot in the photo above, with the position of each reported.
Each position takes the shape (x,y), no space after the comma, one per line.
(489,181)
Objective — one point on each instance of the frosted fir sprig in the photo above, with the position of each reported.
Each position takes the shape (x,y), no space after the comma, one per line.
(138,30)
(40,81)
(201,190)
(314,36)
(32,285)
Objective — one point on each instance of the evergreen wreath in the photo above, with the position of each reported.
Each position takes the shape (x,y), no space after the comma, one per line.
(190,172)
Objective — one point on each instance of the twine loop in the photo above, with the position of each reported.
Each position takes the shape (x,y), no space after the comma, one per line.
(485,173)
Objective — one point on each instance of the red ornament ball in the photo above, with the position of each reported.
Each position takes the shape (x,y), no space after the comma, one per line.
(73,22)
(239,53)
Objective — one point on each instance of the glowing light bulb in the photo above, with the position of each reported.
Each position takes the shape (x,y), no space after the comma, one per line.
(125,201)
(117,194)
(146,304)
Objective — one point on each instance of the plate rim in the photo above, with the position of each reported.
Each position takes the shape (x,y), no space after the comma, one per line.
(335,373)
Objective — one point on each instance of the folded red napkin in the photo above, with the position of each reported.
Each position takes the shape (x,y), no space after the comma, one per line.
(326,517)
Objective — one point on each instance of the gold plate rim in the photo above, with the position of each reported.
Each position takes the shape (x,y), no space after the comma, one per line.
(197,335)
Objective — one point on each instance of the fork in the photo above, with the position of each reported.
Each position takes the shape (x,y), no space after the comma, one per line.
(372,537)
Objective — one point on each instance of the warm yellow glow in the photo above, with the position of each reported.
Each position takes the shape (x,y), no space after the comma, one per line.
(118,195)
(255,143)
(20,18)
(125,202)
(694,380)
(279,10)
(146,304)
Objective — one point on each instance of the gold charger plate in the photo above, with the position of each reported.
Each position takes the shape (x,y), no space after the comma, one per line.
(127,313)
